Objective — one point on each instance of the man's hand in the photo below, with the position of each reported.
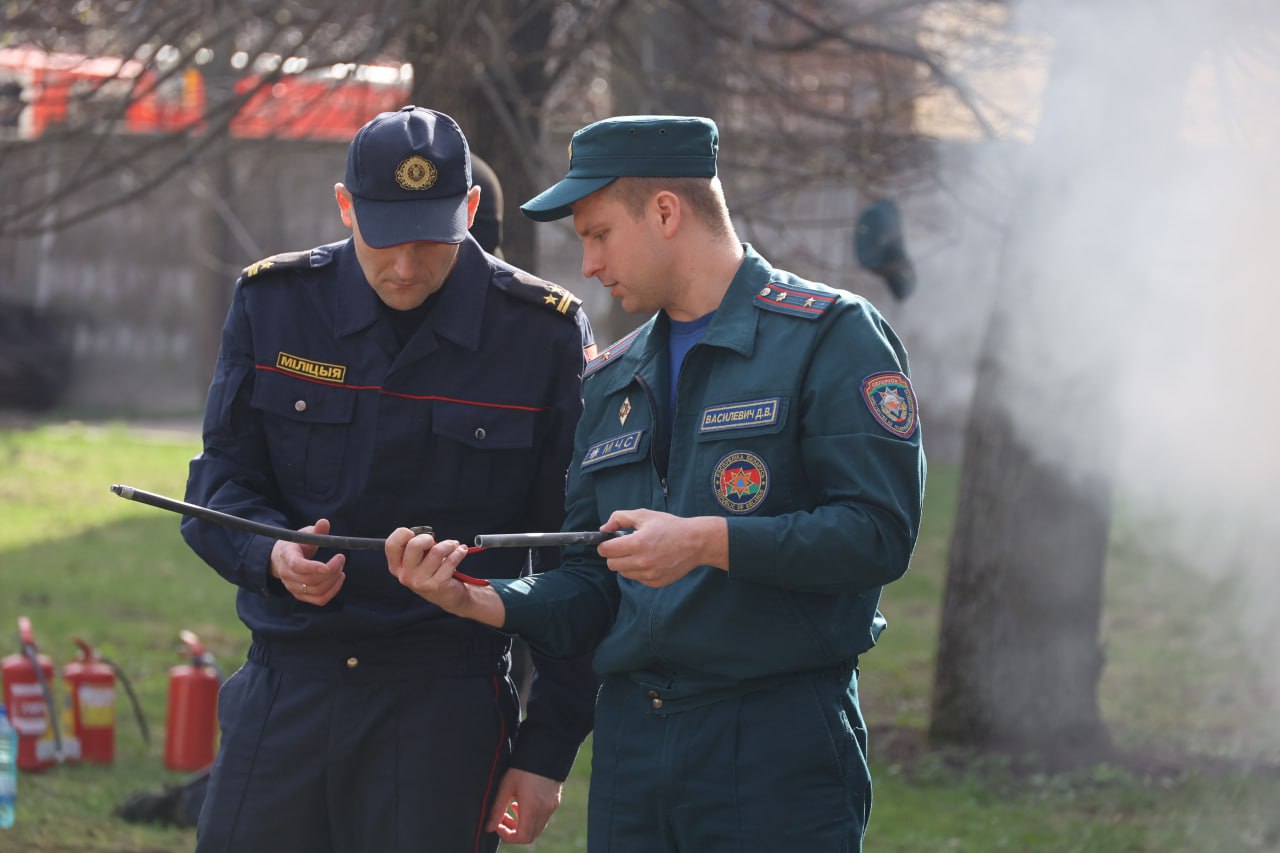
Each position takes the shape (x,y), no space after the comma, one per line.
(306,579)
(664,548)
(426,566)
(523,806)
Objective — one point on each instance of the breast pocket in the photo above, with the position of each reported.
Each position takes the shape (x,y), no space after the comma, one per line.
(483,455)
(621,472)
(307,427)
(745,457)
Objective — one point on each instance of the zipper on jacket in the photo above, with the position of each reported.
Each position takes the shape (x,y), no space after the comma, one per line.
(659,460)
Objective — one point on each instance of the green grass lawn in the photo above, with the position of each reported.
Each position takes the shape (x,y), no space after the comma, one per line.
(1178,686)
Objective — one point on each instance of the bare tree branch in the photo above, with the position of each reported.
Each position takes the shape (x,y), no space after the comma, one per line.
(513,69)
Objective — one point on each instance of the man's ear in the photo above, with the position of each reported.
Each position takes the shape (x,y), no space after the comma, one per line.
(669,212)
(473,204)
(344,204)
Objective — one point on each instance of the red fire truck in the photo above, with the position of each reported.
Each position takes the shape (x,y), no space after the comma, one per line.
(40,91)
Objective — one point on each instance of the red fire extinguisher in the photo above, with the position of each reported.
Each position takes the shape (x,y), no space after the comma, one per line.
(29,700)
(91,694)
(192,726)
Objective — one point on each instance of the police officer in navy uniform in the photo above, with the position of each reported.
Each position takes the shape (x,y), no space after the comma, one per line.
(759,439)
(400,377)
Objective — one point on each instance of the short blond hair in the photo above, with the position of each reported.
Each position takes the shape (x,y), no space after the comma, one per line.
(705,197)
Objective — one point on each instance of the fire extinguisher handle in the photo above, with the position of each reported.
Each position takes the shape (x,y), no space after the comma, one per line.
(195,648)
(25,635)
(86,650)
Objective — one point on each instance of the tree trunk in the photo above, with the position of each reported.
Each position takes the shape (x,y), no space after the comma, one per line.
(1018,657)
(479,72)
(214,256)
(662,61)
(1018,660)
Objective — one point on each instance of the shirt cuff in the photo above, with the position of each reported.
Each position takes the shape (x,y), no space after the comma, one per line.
(255,567)
(542,753)
(753,549)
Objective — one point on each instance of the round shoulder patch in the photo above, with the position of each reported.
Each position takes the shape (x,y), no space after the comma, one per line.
(892,402)
(740,481)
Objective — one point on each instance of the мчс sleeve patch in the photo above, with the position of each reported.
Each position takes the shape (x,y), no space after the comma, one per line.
(892,402)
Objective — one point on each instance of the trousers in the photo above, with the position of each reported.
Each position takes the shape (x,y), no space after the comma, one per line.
(321,752)
(778,769)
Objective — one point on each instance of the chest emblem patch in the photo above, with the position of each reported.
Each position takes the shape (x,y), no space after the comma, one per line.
(740,481)
(624,410)
(619,445)
(892,402)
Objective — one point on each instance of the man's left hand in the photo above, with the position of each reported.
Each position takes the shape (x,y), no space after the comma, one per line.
(523,806)
(662,547)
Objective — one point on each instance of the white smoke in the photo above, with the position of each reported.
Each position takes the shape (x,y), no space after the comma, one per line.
(1160,243)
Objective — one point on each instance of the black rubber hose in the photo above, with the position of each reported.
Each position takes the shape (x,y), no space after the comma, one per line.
(321,540)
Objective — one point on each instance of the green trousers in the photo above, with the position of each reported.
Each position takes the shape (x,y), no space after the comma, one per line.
(775,770)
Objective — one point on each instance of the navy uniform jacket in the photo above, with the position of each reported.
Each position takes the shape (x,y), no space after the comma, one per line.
(316,412)
(795,420)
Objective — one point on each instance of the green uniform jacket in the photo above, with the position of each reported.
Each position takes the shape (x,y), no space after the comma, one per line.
(795,420)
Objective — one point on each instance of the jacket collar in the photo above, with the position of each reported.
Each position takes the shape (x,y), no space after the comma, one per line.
(356,304)
(734,326)
(459,311)
(459,315)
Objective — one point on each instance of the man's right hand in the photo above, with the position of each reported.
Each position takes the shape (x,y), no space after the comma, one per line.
(426,566)
(306,579)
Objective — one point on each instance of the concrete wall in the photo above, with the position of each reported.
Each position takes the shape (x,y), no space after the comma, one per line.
(133,284)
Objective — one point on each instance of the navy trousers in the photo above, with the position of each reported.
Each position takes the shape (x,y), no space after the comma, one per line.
(780,769)
(324,750)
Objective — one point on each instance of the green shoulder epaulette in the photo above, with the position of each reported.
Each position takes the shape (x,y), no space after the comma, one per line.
(796,300)
(533,289)
(283,261)
(611,352)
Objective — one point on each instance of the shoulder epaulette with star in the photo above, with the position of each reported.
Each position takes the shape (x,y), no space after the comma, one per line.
(533,289)
(283,261)
(610,353)
(786,298)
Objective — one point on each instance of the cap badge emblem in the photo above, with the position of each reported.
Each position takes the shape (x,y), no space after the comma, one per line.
(416,173)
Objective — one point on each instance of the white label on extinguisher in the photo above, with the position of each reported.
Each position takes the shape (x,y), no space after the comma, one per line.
(47,749)
(70,747)
(97,706)
(70,743)
(28,711)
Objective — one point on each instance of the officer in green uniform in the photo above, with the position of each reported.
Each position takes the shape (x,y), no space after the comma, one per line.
(758,441)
